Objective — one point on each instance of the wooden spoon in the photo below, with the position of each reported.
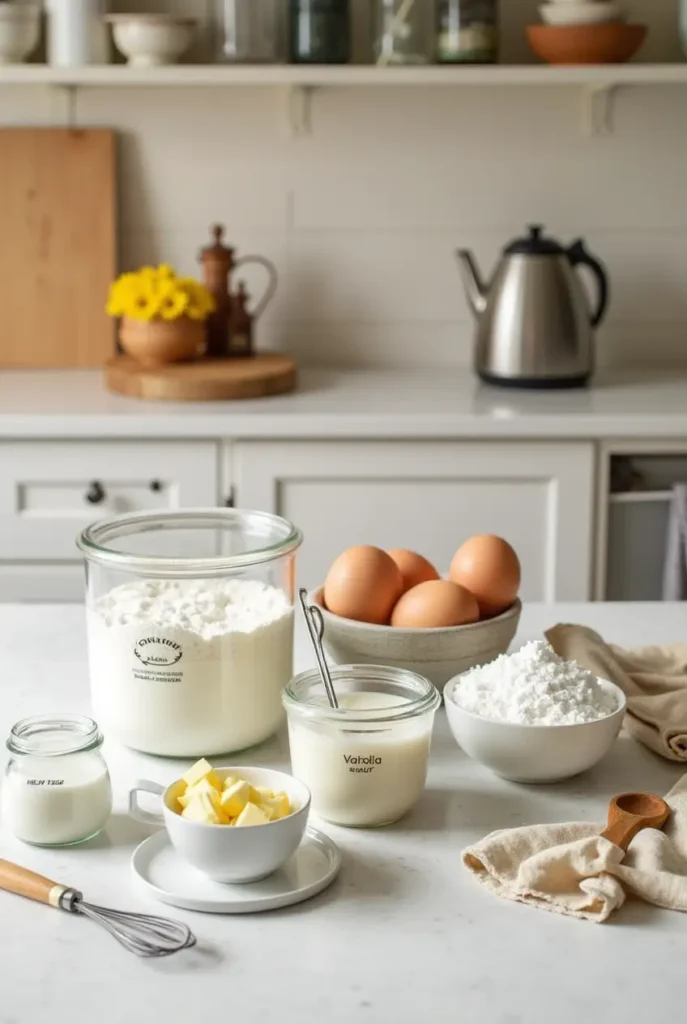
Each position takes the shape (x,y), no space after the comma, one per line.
(629,813)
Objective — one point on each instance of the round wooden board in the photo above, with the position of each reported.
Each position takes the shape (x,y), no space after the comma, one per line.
(205,380)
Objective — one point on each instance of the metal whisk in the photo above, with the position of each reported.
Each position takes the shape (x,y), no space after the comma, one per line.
(142,934)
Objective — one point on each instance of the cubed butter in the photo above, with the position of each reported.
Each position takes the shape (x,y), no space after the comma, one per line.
(202,770)
(229,781)
(203,808)
(251,815)
(204,786)
(235,798)
(278,806)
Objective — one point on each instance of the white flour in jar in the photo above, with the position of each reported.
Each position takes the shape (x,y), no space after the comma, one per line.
(190,668)
(533,686)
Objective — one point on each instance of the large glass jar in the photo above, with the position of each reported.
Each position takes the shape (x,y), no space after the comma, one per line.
(320,31)
(404,32)
(251,31)
(467,31)
(190,627)
(365,762)
(56,790)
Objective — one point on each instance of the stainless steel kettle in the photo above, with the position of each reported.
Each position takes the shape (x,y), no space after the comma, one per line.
(534,324)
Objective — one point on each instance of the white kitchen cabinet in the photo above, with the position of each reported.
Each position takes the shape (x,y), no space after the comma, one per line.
(51,490)
(430,496)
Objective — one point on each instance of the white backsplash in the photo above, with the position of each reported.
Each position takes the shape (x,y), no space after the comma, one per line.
(362,217)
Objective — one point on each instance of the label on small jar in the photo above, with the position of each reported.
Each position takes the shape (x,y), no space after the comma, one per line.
(362,764)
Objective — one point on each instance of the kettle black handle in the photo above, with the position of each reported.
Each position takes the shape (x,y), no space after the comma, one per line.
(577,254)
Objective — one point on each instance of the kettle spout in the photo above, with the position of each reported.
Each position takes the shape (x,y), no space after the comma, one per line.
(475,288)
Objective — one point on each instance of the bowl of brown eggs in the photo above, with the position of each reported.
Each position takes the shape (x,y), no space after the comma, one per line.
(393,607)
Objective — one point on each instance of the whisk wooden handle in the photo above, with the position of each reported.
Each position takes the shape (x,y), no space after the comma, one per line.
(23,882)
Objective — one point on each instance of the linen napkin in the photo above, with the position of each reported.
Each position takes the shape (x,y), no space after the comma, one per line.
(654,680)
(569,869)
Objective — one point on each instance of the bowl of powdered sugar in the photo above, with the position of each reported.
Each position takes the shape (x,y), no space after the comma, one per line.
(533,716)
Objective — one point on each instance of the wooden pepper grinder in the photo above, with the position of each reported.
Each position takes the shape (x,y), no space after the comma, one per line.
(240,324)
(218,264)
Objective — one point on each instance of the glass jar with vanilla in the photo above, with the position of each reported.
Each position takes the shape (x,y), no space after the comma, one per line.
(364,762)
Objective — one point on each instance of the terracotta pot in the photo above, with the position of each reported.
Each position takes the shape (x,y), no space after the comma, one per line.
(609,43)
(157,342)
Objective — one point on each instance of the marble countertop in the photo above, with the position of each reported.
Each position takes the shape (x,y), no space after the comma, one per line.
(403,936)
(440,403)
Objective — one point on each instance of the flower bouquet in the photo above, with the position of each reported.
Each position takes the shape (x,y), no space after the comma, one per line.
(162,315)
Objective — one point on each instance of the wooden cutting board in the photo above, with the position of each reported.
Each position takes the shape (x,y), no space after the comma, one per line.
(57,246)
(204,380)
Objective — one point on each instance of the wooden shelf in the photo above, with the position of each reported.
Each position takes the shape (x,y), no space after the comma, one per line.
(301,76)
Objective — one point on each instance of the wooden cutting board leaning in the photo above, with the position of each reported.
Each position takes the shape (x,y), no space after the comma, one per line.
(57,246)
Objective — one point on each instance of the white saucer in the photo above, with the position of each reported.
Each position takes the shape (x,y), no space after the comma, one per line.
(161,871)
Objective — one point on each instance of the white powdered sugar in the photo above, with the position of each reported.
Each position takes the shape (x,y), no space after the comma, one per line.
(534,686)
(188,668)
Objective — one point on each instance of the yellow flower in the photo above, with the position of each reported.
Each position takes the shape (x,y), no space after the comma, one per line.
(145,304)
(157,292)
(173,303)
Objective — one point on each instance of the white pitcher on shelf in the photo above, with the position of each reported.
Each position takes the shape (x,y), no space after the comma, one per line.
(76,32)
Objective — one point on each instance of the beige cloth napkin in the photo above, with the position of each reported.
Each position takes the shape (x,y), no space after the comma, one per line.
(570,869)
(654,680)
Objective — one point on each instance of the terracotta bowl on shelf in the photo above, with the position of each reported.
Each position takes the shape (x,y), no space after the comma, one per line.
(609,43)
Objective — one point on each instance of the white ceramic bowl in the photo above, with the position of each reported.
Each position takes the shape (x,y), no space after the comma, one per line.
(222,852)
(534,753)
(20,29)
(149,40)
(437,654)
(593,12)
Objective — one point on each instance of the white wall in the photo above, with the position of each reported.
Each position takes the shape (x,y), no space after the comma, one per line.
(362,217)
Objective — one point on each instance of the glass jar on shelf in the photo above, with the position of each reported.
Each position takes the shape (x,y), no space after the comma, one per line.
(320,31)
(251,31)
(404,31)
(467,32)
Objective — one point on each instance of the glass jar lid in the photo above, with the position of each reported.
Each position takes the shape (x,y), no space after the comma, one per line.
(189,542)
(305,694)
(54,735)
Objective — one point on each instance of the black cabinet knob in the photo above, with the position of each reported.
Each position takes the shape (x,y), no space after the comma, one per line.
(95,493)
(155,485)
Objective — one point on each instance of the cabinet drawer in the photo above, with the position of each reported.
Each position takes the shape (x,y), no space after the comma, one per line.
(51,490)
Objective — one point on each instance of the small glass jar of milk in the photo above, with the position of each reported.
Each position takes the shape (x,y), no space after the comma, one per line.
(365,762)
(56,790)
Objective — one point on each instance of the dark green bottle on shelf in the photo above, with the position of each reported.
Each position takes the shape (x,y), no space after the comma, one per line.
(320,31)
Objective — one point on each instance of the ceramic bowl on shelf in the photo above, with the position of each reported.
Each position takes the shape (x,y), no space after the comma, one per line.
(609,43)
(587,12)
(150,40)
(223,852)
(534,753)
(436,654)
(20,29)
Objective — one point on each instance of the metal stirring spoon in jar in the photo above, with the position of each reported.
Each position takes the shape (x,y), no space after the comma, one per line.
(315,623)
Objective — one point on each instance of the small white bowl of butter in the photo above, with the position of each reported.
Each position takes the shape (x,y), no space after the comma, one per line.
(234,824)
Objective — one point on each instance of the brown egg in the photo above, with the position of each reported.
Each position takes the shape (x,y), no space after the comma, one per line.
(433,604)
(490,569)
(414,568)
(364,583)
